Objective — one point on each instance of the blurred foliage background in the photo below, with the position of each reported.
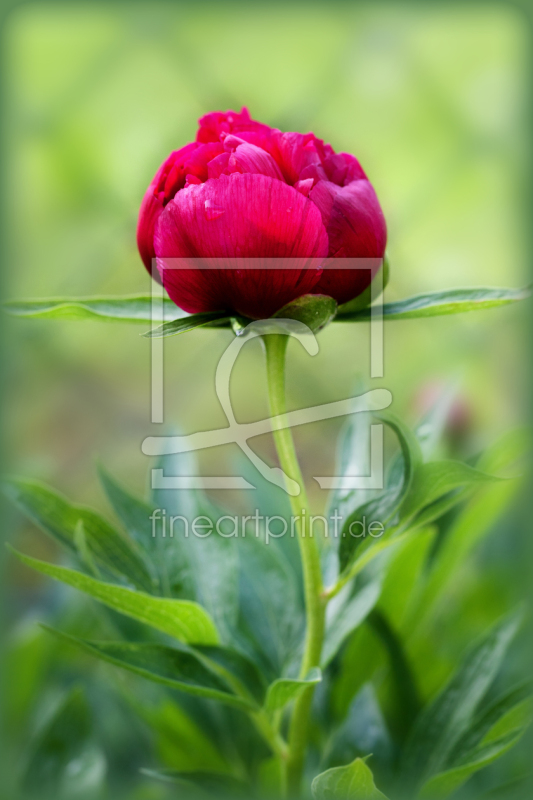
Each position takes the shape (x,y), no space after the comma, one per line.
(432,101)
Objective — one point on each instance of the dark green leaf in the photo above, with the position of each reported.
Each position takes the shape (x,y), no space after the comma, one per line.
(284,690)
(179,738)
(442,723)
(353,782)
(189,323)
(109,549)
(61,742)
(182,619)
(133,513)
(314,310)
(177,668)
(501,711)
(363,731)
(203,569)
(452,301)
(344,616)
(137,308)
(208,783)
(446,783)
(403,678)
(238,670)
(271,606)
(385,505)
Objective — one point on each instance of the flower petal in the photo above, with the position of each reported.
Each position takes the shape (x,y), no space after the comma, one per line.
(356,229)
(237,217)
(252,159)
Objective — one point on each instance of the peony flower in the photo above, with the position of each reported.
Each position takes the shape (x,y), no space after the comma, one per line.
(244,190)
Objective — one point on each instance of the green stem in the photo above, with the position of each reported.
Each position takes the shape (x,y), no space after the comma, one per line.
(315,603)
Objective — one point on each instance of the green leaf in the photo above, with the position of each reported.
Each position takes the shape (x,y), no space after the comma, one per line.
(314,310)
(271,608)
(353,782)
(180,740)
(133,513)
(445,720)
(177,668)
(203,569)
(472,524)
(209,784)
(61,741)
(502,716)
(385,505)
(189,323)
(284,690)
(432,304)
(183,619)
(137,308)
(343,617)
(406,690)
(446,783)
(238,670)
(353,459)
(54,514)
(363,730)
(434,480)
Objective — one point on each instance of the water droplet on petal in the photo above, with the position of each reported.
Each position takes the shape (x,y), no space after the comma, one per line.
(212,211)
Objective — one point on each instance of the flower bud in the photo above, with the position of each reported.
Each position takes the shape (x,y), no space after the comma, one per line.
(244,190)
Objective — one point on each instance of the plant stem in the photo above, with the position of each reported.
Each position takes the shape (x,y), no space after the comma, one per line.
(315,603)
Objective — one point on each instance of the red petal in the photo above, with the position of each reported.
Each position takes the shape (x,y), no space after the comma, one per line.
(304,186)
(236,217)
(252,159)
(217,166)
(220,122)
(356,229)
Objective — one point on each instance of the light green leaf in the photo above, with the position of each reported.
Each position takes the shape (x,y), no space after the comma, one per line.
(353,782)
(446,783)
(177,668)
(183,619)
(284,690)
(434,480)
(343,617)
(136,308)
(314,310)
(55,515)
(445,720)
(451,301)
(189,323)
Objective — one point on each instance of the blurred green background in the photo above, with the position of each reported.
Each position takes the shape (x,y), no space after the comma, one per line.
(432,101)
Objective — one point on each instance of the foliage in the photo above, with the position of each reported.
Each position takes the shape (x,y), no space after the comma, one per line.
(243,659)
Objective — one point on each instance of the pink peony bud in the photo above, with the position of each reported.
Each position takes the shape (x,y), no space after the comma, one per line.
(244,190)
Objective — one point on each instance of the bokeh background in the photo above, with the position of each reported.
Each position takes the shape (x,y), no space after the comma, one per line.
(432,100)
